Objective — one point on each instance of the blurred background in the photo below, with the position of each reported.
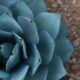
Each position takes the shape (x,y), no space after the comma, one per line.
(70,11)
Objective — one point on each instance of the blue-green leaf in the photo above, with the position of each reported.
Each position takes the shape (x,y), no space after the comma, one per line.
(41,74)
(34,59)
(24,49)
(37,6)
(49,22)
(20,40)
(4,10)
(7,23)
(5,36)
(29,29)
(63,29)
(56,69)
(21,9)
(20,73)
(63,48)
(46,47)
(6,49)
(7,3)
(4,75)
(14,58)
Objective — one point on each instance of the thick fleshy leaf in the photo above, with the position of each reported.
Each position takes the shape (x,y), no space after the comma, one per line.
(63,48)
(46,47)
(41,74)
(7,23)
(5,52)
(21,9)
(4,10)
(37,6)
(14,58)
(34,59)
(49,22)
(20,73)
(63,29)
(6,49)
(7,3)
(56,69)
(5,36)
(4,74)
(20,40)
(29,29)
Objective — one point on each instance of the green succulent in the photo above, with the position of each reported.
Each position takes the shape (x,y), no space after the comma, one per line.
(33,42)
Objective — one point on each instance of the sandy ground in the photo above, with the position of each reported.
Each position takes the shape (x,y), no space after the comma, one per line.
(70,11)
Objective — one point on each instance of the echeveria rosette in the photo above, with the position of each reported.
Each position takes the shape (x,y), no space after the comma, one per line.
(33,42)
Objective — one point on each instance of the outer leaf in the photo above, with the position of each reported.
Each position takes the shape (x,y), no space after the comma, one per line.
(49,22)
(56,69)
(29,29)
(5,36)
(7,23)
(3,74)
(63,29)
(6,49)
(21,9)
(14,59)
(34,59)
(41,74)
(46,47)
(63,48)
(20,73)
(37,6)
(4,10)
(7,3)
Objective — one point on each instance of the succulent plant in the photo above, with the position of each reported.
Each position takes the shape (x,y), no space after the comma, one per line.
(33,42)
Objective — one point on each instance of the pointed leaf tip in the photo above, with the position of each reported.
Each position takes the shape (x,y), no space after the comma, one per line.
(63,51)
(20,73)
(34,59)
(23,46)
(37,6)
(49,22)
(56,69)
(30,29)
(9,24)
